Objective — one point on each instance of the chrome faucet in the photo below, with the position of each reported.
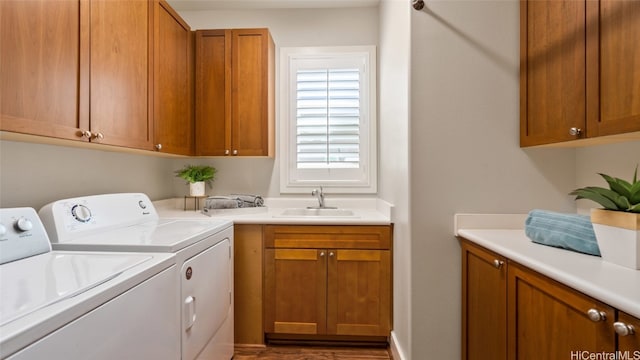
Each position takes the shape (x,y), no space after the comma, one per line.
(319,194)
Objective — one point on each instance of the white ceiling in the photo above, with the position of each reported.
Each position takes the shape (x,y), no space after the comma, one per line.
(268,4)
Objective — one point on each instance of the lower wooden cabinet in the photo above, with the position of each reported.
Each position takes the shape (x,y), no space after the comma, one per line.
(247,284)
(628,329)
(512,312)
(327,280)
(484,305)
(548,320)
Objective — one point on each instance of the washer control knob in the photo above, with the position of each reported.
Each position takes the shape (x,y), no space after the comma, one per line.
(142,204)
(23,224)
(81,213)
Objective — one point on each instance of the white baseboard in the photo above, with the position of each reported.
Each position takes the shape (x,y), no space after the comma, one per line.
(396,351)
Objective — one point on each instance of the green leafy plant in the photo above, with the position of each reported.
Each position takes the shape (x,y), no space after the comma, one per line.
(621,195)
(196,173)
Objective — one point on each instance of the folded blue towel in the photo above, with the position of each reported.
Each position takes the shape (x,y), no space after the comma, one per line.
(567,231)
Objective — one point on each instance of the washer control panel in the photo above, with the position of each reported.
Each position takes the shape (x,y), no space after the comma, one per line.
(21,234)
(73,218)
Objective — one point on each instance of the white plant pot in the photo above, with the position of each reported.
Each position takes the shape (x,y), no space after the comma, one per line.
(618,236)
(196,188)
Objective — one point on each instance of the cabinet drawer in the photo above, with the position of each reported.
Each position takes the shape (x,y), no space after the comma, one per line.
(325,236)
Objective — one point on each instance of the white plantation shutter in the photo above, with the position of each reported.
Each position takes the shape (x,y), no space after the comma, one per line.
(328,119)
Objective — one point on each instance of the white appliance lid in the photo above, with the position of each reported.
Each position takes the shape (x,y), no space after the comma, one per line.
(42,280)
(165,235)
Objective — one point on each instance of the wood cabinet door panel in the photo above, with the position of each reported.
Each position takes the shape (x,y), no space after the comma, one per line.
(618,68)
(43,64)
(247,284)
(329,236)
(548,320)
(250,91)
(358,295)
(484,306)
(173,117)
(552,73)
(295,291)
(213,92)
(120,72)
(630,344)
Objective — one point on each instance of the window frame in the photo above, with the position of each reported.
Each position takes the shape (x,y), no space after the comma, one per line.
(293,180)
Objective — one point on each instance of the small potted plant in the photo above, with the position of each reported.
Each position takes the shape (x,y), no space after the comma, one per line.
(196,176)
(617,225)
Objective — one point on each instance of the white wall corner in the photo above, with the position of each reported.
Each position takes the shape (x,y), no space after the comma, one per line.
(396,351)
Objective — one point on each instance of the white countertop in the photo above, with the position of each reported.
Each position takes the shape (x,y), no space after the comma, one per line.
(366,212)
(610,283)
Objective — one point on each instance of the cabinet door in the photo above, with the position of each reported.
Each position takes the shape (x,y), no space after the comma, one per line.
(213,92)
(614,67)
(295,291)
(630,343)
(248,327)
(358,292)
(121,73)
(173,116)
(484,304)
(548,320)
(252,92)
(552,70)
(44,67)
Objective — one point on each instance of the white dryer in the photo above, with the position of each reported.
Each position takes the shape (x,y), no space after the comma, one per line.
(81,305)
(204,257)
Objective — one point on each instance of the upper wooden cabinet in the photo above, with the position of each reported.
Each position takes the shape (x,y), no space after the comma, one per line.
(84,70)
(235,99)
(44,67)
(173,82)
(579,70)
(120,53)
(615,108)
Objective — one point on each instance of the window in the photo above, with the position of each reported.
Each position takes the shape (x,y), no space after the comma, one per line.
(328,119)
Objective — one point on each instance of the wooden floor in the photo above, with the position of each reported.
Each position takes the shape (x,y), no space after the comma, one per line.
(286,352)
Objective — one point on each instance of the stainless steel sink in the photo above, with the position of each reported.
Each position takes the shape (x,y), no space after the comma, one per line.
(316,212)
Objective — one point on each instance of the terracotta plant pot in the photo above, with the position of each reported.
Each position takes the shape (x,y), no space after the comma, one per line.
(618,236)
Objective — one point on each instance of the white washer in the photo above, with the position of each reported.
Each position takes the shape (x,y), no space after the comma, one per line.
(204,258)
(81,305)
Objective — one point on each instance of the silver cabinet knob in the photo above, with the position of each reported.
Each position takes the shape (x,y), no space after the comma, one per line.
(596,315)
(331,254)
(322,254)
(575,131)
(158,146)
(623,329)
(226,152)
(235,152)
(498,263)
(98,136)
(86,133)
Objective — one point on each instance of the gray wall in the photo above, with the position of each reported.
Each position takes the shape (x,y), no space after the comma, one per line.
(393,186)
(36,174)
(618,160)
(464,152)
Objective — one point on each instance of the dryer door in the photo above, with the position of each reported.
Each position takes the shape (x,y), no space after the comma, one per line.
(206,296)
